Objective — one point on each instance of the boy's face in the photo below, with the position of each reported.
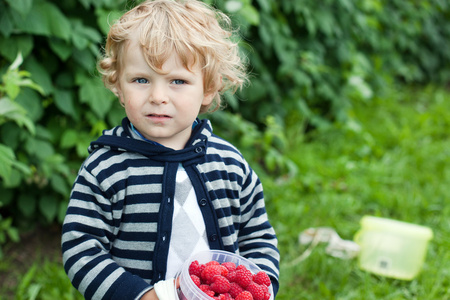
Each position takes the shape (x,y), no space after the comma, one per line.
(162,107)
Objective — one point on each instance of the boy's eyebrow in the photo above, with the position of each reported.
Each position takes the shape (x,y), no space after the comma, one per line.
(182,72)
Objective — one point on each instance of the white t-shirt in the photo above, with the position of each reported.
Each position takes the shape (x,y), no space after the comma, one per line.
(188,227)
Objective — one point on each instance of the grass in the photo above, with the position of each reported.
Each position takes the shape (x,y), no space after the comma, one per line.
(391,162)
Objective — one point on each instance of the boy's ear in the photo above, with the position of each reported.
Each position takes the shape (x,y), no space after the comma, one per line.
(208,98)
(116,90)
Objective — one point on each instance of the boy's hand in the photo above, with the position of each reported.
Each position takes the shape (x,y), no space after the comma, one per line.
(150,295)
(163,290)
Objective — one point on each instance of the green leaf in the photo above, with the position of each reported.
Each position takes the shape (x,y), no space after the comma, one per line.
(69,138)
(27,204)
(84,58)
(83,36)
(34,23)
(10,110)
(105,18)
(9,107)
(6,23)
(6,159)
(61,48)
(250,14)
(59,24)
(59,184)
(31,101)
(44,19)
(39,75)
(96,96)
(23,7)
(64,102)
(48,206)
(13,234)
(39,148)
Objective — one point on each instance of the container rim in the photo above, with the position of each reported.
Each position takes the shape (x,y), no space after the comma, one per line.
(378,223)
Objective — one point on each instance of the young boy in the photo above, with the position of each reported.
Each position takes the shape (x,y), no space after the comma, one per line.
(162,186)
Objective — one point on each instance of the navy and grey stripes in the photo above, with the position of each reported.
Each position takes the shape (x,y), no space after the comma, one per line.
(117,228)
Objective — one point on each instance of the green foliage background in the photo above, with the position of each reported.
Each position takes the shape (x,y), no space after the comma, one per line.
(312,61)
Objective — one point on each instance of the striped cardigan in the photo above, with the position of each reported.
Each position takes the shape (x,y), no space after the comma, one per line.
(116,232)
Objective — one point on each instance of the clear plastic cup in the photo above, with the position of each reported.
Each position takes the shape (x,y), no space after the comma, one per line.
(189,291)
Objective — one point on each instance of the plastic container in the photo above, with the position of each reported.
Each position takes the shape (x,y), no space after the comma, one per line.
(392,248)
(189,291)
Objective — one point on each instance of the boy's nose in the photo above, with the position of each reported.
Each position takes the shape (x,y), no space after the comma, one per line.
(158,94)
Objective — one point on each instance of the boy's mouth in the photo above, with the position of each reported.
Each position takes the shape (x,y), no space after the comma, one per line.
(158,116)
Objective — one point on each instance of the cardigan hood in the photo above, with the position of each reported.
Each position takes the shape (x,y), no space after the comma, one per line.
(121,139)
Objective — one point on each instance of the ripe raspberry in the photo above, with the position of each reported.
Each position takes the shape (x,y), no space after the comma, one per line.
(212,263)
(220,284)
(225,296)
(204,287)
(231,266)
(267,296)
(224,271)
(196,280)
(209,272)
(262,278)
(235,289)
(195,268)
(245,295)
(257,292)
(243,277)
(231,276)
(207,290)
(264,287)
(240,267)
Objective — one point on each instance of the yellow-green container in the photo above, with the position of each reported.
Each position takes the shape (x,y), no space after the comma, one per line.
(392,248)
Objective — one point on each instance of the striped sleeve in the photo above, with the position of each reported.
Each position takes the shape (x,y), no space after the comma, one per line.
(245,226)
(88,231)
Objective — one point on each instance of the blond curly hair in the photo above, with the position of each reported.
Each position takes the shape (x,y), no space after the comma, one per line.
(196,32)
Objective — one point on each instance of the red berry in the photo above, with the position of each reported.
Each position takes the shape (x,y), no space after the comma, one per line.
(240,267)
(235,289)
(262,278)
(209,272)
(231,276)
(212,263)
(225,296)
(245,295)
(207,290)
(223,271)
(243,277)
(231,266)
(264,287)
(220,284)
(196,280)
(257,292)
(204,287)
(195,268)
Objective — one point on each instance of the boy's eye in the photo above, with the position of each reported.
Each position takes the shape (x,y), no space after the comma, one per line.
(140,80)
(178,81)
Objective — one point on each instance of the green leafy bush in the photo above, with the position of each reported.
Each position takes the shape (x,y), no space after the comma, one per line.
(311,61)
